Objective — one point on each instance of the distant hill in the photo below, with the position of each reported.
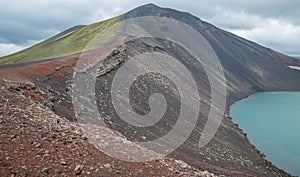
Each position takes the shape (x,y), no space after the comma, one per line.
(68,42)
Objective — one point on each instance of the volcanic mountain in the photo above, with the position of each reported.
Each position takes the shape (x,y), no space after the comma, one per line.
(44,73)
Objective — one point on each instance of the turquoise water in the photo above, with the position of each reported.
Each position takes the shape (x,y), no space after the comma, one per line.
(272,123)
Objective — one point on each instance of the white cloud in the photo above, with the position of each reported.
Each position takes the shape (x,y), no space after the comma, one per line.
(6,49)
(10,48)
(229,19)
(275,34)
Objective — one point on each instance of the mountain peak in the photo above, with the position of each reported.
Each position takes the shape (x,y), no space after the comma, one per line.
(147,8)
(152,5)
(155,10)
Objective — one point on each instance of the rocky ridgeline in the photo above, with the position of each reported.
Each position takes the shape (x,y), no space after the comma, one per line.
(112,61)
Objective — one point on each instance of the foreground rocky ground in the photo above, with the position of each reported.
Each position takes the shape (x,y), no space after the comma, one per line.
(36,142)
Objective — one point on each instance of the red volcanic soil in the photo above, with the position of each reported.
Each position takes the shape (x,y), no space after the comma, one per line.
(35,70)
(34,141)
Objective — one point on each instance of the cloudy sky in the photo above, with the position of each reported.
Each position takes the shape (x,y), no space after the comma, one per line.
(272,23)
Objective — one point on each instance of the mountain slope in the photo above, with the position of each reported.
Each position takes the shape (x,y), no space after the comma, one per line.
(249,68)
(71,41)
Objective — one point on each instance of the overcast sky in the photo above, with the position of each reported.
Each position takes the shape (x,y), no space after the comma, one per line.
(272,23)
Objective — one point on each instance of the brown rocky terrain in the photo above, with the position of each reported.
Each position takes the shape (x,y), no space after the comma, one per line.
(36,142)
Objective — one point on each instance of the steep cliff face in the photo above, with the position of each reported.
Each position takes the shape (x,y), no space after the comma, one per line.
(249,68)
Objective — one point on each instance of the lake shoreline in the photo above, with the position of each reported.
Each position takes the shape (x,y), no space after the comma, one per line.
(228,115)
